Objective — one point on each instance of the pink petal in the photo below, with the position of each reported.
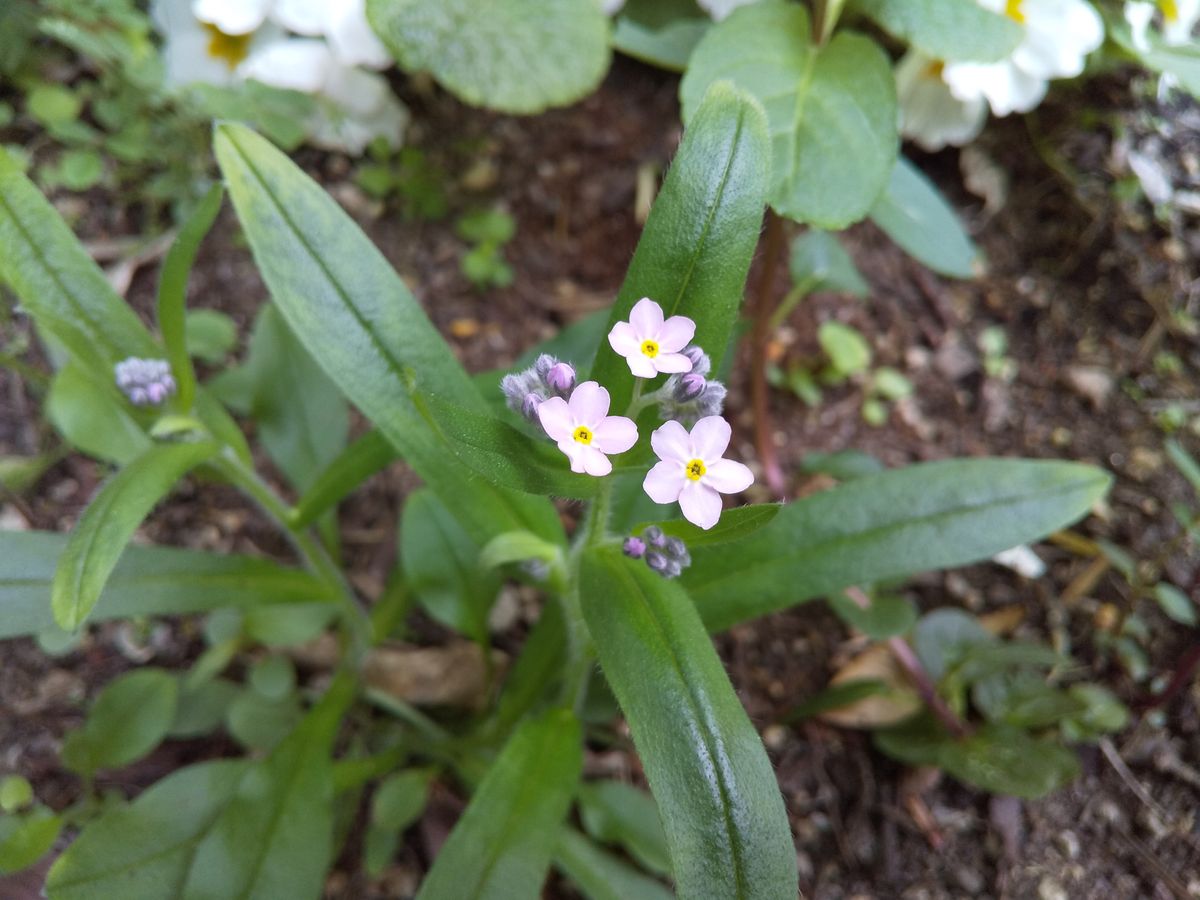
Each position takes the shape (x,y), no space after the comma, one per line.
(589,404)
(574,451)
(672,362)
(555,418)
(710,437)
(701,505)
(594,462)
(615,434)
(675,334)
(624,340)
(646,317)
(664,482)
(642,366)
(670,441)
(728,476)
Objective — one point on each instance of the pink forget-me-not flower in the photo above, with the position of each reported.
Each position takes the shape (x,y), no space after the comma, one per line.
(584,430)
(693,471)
(651,345)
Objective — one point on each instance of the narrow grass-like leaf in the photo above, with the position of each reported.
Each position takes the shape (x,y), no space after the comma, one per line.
(146,581)
(896,523)
(601,875)
(721,807)
(501,847)
(696,247)
(354,465)
(110,521)
(172,292)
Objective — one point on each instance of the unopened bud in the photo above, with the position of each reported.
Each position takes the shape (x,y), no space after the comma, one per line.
(657,562)
(689,387)
(635,548)
(146,382)
(653,535)
(543,364)
(698,358)
(529,407)
(560,378)
(712,401)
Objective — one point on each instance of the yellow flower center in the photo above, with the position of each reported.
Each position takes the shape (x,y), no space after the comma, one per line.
(1169,9)
(934,69)
(231,49)
(583,434)
(695,469)
(650,348)
(1012,9)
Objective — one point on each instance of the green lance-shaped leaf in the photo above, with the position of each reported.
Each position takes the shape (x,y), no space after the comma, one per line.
(501,847)
(947,29)
(697,245)
(141,851)
(146,581)
(130,718)
(327,278)
(831,109)
(354,465)
(721,808)
(172,292)
(601,875)
(897,523)
(93,419)
(918,218)
(735,524)
(110,521)
(519,56)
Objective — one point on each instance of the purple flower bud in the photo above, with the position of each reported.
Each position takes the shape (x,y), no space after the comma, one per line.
(138,396)
(529,407)
(676,548)
(653,535)
(560,378)
(145,382)
(689,387)
(712,401)
(544,364)
(514,391)
(635,548)
(657,562)
(698,358)
(673,569)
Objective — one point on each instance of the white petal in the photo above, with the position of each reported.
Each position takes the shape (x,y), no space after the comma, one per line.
(1139,15)
(595,462)
(556,419)
(615,434)
(589,404)
(305,17)
(675,334)
(334,130)
(357,93)
(701,505)
(1059,34)
(1007,88)
(672,443)
(664,482)
(671,363)
(646,317)
(575,453)
(728,476)
(231,16)
(710,437)
(624,340)
(1178,31)
(929,113)
(641,365)
(297,64)
(351,38)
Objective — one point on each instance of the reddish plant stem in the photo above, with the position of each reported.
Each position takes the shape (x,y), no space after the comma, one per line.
(773,245)
(1181,678)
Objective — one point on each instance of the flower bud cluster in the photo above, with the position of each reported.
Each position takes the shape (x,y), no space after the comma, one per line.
(146,382)
(668,556)
(547,377)
(690,396)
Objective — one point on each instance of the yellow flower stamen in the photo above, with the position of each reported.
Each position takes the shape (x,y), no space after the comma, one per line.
(695,469)
(1169,9)
(230,49)
(650,348)
(934,69)
(1012,9)
(583,435)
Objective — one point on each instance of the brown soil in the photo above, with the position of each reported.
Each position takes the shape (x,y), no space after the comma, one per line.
(1070,271)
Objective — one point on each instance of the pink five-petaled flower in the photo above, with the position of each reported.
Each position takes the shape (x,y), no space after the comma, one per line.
(651,345)
(584,429)
(692,470)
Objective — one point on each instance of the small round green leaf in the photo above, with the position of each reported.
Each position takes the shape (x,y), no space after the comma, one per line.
(130,717)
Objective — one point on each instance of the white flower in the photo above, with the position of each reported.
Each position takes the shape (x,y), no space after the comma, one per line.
(649,344)
(692,470)
(929,113)
(1058,36)
(1179,21)
(584,430)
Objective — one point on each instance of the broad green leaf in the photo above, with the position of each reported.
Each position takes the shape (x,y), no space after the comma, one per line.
(326,277)
(1103,713)
(201,709)
(91,418)
(275,837)
(819,262)
(286,625)
(110,521)
(26,838)
(916,216)
(144,850)
(845,465)
(734,525)
(848,351)
(696,248)
(301,416)
(440,561)
(350,468)
(600,875)
(660,32)
(1175,603)
(211,335)
(274,677)
(400,799)
(831,109)
(887,616)
(15,793)
(146,581)
(260,723)
(947,29)
(943,637)
(721,808)
(618,813)
(501,847)
(520,56)
(130,717)
(172,291)
(517,546)
(894,524)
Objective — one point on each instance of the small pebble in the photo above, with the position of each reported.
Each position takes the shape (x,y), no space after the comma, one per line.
(1049,889)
